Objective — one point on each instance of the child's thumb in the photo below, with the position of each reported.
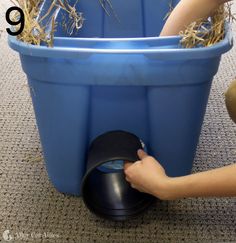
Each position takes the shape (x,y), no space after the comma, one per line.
(142,154)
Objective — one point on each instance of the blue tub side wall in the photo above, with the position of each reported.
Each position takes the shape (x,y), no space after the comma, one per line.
(167,119)
(175,119)
(70,115)
(62,118)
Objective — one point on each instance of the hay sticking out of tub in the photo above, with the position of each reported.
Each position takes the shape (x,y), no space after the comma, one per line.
(31,10)
(171,8)
(207,32)
(36,31)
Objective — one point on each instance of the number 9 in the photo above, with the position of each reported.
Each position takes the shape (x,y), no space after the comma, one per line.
(21,21)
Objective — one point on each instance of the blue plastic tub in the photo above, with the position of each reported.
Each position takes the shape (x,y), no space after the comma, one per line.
(118,75)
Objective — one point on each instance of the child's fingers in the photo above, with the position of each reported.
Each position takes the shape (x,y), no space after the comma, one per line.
(127,164)
(133,186)
(142,154)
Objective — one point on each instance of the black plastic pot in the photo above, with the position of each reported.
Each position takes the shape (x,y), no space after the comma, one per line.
(105,190)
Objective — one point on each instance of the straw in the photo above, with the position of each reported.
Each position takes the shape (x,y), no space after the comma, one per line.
(207,32)
(171,7)
(35,31)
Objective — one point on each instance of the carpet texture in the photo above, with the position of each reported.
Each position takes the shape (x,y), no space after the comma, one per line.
(31,210)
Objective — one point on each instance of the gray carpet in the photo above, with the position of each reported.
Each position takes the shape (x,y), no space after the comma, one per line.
(33,211)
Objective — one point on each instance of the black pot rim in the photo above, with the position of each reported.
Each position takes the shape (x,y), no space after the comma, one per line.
(115,214)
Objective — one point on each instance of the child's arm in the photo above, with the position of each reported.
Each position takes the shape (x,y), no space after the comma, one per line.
(219,182)
(186,12)
(147,175)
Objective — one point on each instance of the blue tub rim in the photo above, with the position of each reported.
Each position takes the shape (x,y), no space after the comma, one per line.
(162,48)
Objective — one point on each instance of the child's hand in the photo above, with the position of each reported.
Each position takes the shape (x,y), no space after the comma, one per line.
(147,175)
